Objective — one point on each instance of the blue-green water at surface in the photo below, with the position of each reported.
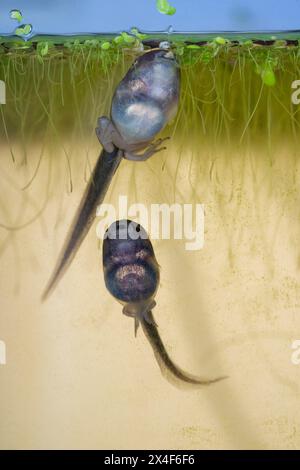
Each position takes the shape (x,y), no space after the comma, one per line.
(94,16)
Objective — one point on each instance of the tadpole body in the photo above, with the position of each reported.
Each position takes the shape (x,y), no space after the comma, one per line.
(143,103)
(131,275)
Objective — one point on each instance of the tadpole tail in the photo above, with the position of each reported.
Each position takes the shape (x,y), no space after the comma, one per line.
(169,370)
(94,194)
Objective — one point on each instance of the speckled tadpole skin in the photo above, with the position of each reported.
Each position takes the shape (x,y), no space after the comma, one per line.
(147,97)
(131,275)
(144,101)
(131,271)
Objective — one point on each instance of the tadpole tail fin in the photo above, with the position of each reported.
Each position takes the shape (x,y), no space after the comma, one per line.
(169,369)
(94,194)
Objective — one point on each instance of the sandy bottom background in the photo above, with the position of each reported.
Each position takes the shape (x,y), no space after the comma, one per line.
(75,375)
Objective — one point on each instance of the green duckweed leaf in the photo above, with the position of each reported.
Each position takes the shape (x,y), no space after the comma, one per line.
(164,7)
(23,30)
(119,39)
(42,48)
(127,38)
(268,76)
(16,15)
(137,34)
(27,29)
(105,46)
(220,41)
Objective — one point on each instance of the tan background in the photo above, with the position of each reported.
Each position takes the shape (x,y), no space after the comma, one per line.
(77,378)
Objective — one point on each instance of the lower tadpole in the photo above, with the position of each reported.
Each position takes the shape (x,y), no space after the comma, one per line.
(131,274)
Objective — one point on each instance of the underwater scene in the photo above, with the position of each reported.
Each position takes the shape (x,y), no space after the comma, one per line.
(149,225)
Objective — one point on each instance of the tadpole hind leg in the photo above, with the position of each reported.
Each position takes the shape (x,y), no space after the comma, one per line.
(136,325)
(151,150)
